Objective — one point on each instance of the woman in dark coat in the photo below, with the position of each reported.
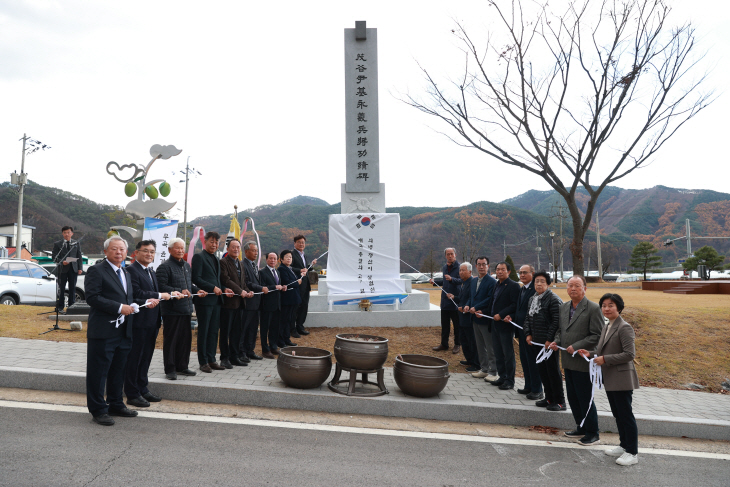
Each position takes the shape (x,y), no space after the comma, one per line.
(615,354)
(541,325)
(290,300)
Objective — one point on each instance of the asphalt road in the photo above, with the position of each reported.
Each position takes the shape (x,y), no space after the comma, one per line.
(44,447)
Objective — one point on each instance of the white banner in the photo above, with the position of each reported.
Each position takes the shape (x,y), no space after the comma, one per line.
(161,231)
(364,254)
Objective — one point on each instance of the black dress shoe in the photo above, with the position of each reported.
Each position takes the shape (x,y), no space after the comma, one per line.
(497,382)
(440,348)
(253,356)
(542,403)
(238,363)
(275,351)
(123,412)
(295,334)
(535,396)
(589,440)
(556,407)
(187,372)
(505,386)
(104,420)
(302,331)
(290,344)
(227,364)
(522,391)
(215,366)
(171,376)
(464,362)
(472,368)
(575,434)
(151,397)
(139,402)
(244,359)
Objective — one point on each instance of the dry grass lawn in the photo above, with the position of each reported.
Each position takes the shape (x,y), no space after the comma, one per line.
(679,338)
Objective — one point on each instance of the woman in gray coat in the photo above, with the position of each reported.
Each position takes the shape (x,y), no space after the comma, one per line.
(615,354)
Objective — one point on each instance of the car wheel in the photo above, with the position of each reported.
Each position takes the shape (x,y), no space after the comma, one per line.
(8,300)
(79,297)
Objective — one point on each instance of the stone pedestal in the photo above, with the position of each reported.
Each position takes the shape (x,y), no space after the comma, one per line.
(362,202)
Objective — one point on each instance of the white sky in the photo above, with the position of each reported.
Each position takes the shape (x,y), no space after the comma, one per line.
(253,92)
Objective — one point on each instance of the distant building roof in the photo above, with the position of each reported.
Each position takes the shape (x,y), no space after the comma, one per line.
(12,224)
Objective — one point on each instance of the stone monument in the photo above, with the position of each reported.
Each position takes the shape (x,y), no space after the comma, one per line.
(364,257)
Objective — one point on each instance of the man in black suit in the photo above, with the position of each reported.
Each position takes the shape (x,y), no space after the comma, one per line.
(67,271)
(252,304)
(482,289)
(466,326)
(528,353)
(504,303)
(109,337)
(270,307)
(231,329)
(206,274)
(145,327)
(300,265)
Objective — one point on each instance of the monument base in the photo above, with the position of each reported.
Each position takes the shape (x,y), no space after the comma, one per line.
(362,202)
(416,310)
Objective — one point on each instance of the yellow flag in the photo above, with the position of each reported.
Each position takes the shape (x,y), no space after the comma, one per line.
(235,232)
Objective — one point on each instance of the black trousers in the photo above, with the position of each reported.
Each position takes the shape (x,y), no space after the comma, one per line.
(177,338)
(270,330)
(138,361)
(504,351)
(301,313)
(287,321)
(449,316)
(208,324)
(529,367)
(628,432)
(468,344)
(63,278)
(552,379)
(249,332)
(105,361)
(578,387)
(231,329)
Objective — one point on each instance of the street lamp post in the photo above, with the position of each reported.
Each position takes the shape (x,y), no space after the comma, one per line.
(552,248)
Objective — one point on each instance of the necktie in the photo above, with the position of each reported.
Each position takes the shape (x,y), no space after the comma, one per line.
(121,278)
(149,273)
(276,278)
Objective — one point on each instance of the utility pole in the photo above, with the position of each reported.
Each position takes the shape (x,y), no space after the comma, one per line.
(689,240)
(537,247)
(598,248)
(185,215)
(561,243)
(22,181)
(504,250)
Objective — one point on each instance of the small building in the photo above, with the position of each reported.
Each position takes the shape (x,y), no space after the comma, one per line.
(8,232)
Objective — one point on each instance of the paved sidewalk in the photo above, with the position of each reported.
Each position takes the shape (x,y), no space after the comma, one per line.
(47,365)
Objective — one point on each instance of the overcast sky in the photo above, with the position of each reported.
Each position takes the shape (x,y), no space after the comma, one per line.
(253,92)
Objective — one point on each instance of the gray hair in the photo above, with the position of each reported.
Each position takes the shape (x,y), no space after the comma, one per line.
(449,248)
(467,265)
(175,241)
(112,238)
(248,245)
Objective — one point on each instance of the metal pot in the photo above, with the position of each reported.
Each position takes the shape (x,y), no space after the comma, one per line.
(361,352)
(304,367)
(421,375)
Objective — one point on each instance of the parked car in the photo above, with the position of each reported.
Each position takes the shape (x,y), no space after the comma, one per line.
(25,282)
(80,292)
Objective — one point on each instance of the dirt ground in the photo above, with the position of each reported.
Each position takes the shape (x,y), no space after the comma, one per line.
(680,339)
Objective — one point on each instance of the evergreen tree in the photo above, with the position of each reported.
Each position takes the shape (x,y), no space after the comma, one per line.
(513,271)
(705,256)
(643,258)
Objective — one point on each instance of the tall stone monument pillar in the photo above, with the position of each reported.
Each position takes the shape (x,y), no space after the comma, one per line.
(363,190)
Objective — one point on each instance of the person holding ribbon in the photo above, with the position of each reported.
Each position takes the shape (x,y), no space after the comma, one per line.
(541,325)
(615,355)
(290,301)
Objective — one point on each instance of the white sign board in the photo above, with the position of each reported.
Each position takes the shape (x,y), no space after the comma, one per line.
(364,254)
(161,231)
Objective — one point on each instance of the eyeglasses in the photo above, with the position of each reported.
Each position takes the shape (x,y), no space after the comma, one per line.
(524,272)
(145,251)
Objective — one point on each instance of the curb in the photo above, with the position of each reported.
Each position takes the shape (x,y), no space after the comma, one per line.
(322,400)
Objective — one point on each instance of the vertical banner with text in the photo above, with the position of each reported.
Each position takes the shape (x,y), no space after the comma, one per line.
(161,231)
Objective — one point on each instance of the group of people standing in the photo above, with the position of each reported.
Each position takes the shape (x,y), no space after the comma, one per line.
(484,310)
(232,299)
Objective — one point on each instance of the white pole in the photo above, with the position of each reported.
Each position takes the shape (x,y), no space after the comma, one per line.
(185,216)
(598,247)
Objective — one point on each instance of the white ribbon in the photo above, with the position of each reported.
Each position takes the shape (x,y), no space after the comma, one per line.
(120,318)
(596,374)
(310,265)
(424,275)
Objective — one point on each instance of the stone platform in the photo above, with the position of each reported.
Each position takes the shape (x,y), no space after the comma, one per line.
(61,366)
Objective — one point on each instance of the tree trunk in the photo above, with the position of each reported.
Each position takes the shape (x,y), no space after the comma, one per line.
(576,247)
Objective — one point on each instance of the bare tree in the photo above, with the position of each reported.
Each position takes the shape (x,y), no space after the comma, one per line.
(555,88)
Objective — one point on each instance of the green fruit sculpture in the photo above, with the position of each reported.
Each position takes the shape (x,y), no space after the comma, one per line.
(151,191)
(130,188)
(111,233)
(165,188)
